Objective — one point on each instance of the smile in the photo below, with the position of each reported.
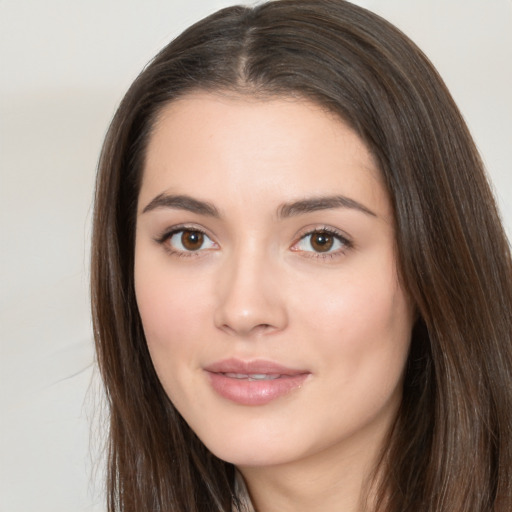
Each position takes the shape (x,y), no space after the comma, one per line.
(253,382)
(253,376)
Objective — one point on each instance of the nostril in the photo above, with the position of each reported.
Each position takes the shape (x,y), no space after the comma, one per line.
(248,329)
(247,305)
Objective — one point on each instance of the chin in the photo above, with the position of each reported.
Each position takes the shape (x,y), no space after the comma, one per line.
(244,449)
(251,456)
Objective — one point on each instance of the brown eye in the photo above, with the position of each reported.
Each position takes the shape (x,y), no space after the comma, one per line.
(192,240)
(322,242)
(188,241)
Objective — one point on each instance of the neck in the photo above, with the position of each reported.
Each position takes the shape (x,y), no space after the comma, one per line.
(330,481)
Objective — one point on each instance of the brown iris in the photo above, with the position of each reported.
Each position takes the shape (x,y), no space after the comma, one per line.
(322,242)
(192,240)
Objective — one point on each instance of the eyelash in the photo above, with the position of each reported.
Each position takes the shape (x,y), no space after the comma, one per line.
(337,235)
(167,235)
(342,239)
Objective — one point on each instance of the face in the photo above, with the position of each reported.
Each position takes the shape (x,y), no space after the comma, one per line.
(266,279)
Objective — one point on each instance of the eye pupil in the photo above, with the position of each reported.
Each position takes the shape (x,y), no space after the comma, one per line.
(192,240)
(322,242)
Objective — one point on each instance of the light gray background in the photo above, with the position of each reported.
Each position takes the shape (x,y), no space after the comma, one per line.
(64,67)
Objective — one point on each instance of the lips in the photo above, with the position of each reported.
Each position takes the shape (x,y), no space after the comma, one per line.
(253,376)
(255,382)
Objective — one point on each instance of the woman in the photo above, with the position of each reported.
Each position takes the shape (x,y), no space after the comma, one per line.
(302,293)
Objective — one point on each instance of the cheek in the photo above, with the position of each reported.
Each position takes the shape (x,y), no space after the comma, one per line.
(172,310)
(364,338)
(173,324)
(362,323)
(355,301)
(166,314)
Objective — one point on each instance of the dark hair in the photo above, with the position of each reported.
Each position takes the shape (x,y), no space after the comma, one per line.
(450,448)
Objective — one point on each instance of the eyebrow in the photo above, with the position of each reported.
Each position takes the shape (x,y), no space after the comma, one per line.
(321,203)
(182,202)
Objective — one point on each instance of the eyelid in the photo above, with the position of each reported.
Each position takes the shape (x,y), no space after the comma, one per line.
(169,232)
(339,235)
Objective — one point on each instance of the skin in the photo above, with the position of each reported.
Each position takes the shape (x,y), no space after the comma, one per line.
(258,288)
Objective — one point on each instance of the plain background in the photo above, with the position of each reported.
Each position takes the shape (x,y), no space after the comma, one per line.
(64,67)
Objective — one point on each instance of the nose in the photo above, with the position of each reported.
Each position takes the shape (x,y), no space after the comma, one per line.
(250,300)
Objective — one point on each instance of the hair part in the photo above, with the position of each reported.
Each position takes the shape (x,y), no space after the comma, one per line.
(450,447)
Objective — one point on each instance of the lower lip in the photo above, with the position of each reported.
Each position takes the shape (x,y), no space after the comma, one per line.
(255,392)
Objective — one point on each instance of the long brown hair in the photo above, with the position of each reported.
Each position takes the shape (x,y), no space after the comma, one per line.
(450,449)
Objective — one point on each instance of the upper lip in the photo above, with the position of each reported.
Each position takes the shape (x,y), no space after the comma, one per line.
(256,366)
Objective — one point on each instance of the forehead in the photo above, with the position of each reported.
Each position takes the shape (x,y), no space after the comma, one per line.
(282,146)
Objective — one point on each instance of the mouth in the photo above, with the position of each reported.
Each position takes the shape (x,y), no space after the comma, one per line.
(255,382)
(253,376)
